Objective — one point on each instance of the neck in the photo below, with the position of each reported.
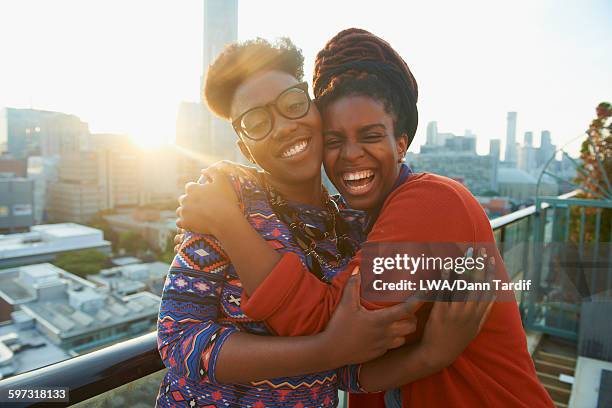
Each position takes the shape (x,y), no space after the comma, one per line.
(305,192)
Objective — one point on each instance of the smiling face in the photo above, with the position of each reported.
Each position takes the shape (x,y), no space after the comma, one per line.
(292,151)
(361,153)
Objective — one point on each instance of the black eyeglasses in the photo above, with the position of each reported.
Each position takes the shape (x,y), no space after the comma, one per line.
(258,122)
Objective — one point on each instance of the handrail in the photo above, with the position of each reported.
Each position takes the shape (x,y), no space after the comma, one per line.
(515,216)
(92,374)
(103,370)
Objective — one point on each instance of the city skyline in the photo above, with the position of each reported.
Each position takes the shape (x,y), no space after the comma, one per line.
(120,79)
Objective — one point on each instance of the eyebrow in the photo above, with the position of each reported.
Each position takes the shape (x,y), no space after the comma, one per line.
(362,129)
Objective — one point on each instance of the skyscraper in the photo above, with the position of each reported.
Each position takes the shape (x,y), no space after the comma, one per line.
(546,149)
(220,29)
(528,139)
(197,129)
(432,133)
(494,148)
(511,150)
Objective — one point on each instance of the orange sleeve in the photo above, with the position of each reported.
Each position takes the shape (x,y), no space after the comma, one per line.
(294,302)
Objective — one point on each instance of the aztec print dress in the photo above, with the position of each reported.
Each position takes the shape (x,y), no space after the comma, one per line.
(200,309)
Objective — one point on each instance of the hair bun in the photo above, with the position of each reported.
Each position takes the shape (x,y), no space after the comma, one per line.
(355,53)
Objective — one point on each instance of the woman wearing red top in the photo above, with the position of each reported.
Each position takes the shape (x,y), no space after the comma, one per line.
(367,97)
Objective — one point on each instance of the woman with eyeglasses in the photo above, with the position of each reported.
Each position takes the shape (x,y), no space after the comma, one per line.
(215,354)
(367,98)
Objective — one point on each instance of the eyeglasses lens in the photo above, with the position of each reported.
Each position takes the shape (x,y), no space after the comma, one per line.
(292,104)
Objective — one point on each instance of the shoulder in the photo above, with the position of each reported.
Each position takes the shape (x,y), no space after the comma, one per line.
(235,171)
(433,208)
(431,191)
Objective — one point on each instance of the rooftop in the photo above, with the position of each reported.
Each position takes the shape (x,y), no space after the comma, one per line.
(68,305)
(49,239)
(28,350)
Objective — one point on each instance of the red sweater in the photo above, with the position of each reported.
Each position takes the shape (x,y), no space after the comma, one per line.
(495,370)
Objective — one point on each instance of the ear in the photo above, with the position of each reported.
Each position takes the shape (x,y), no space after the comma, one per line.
(245,151)
(402,146)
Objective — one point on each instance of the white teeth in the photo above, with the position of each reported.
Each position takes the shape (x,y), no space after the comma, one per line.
(358,175)
(295,149)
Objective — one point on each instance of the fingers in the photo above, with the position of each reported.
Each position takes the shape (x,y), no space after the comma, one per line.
(402,328)
(191,187)
(397,342)
(350,296)
(486,313)
(397,312)
(356,288)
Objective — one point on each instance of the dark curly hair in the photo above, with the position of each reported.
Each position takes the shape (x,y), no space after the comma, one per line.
(239,61)
(357,62)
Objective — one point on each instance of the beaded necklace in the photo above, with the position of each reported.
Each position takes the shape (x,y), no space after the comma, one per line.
(307,236)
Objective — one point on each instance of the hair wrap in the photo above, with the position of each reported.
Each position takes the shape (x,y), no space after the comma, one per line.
(355,54)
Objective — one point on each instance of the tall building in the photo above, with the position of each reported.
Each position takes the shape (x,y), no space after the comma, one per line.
(16,204)
(79,192)
(28,132)
(511,156)
(42,171)
(546,149)
(220,29)
(120,169)
(528,139)
(494,148)
(527,154)
(432,133)
(197,129)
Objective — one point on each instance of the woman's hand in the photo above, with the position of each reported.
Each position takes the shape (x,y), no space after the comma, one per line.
(204,208)
(178,239)
(356,335)
(453,325)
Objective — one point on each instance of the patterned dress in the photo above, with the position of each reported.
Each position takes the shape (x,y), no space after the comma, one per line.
(200,309)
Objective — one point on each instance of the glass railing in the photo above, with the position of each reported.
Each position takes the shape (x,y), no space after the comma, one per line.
(129,373)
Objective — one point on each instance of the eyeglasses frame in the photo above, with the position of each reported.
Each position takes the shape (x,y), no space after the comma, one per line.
(240,131)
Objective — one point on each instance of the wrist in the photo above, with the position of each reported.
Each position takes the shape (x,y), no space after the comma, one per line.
(431,360)
(325,347)
(224,220)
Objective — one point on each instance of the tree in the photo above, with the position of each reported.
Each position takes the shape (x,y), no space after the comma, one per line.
(100,223)
(82,263)
(132,242)
(595,175)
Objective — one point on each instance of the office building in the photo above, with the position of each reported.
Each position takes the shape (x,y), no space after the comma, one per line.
(522,186)
(495,148)
(28,132)
(42,171)
(44,242)
(73,313)
(119,169)
(154,226)
(475,171)
(198,129)
(80,191)
(546,150)
(133,278)
(511,156)
(16,204)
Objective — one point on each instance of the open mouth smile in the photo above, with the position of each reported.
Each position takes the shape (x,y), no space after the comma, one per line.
(295,149)
(358,182)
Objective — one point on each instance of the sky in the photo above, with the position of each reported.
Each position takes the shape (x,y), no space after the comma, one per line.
(125,65)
